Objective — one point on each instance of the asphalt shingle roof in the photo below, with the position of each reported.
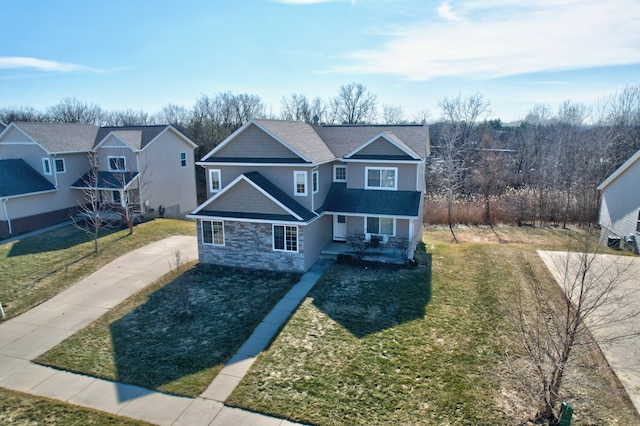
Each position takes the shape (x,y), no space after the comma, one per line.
(61,137)
(19,178)
(137,137)
(282,197)
(106,180)
(374,202)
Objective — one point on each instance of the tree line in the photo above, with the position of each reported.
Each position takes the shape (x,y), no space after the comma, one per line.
(542,170)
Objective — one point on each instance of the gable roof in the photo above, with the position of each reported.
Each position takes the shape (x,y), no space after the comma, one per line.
(137,137)
(18,178)
(635,157)
(60,137)
(393,140)
(297,212)
(322,143)
(376,203)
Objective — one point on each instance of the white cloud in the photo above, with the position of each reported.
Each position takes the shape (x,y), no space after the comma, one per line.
(445,12)
(506,37)
(16,62)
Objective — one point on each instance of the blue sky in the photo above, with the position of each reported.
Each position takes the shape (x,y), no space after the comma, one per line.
(411,53)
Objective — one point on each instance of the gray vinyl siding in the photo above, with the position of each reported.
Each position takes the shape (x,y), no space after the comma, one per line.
(163,179)
(406,175)
(620,204)
(114,148)
(255,143)
(30,152)
(381,146)
(282,177)
(243,197)
(317,234)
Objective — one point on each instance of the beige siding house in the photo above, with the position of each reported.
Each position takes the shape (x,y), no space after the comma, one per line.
(44,169)
(620,205)
(280,191)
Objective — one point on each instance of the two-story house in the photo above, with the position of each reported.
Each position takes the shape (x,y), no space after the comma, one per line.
(44,166)
(280,191)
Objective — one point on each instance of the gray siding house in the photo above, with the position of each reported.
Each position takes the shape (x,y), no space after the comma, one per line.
(620,205)
(280,191)
(44,168)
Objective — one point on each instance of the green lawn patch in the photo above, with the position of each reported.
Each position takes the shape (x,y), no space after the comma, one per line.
(146,341)
(36,268)
(17,408)
(416,346)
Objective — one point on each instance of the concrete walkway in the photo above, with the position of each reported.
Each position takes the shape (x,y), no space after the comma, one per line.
(623,356)
(27,336)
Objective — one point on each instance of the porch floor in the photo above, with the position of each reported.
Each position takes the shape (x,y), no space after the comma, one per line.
(380,254)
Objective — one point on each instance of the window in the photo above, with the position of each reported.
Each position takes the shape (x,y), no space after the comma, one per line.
(213,232)
(381,178)
(300,183)
(46,166)
(380,225)
(314,181)
(117,164)
(59,165)
(339,173)
(183,159)
(215,183)
(285,238)
(638,224)
(115,197)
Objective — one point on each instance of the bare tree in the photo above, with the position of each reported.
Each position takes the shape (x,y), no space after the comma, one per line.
(23,113)
(354,104)
(393,114)
(71,110)
(594,308)
(89,208)
(422,116)
(296,108)
(177,116)
(127,117)
(457,137)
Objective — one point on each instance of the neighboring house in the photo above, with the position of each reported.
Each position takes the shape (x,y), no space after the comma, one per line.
(45,169)
(620,206)
(280,191)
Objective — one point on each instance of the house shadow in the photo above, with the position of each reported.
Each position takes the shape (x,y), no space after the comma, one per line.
(369,298)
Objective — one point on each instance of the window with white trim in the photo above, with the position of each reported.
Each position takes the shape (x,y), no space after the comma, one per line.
(183,159)
(380,225)
(213,232)
(381,178)
(285,238)
(215,180)
(339,173)
(59,165)
(117,164)
(46,166)
(299,183)
(314,181)
(638,224)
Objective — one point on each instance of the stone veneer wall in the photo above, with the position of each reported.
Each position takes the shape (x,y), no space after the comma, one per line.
(250,245)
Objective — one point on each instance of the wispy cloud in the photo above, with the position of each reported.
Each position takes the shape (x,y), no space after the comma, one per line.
(488,39)
(19,62)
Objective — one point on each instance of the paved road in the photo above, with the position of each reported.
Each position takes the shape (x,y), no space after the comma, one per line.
(27,336)
(623,356)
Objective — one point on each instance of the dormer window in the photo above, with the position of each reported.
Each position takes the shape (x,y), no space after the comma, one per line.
(381,178)
(117,164)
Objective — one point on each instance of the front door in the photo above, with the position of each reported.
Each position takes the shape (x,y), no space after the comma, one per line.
(339,227)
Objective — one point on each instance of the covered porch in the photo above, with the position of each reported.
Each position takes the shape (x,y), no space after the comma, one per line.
(383,253)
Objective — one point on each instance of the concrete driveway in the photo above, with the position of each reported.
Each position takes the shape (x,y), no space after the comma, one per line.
(623,355)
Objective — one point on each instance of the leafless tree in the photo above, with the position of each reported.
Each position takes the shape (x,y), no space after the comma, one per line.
(23,113)
(422,116)
(354,104)
(177,116)
(296,108)
(393,114)
(89,208)
(71,110)
(593,308)
(457,137)
(127,117)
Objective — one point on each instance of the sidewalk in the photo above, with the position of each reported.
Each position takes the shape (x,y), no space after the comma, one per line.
(29,335)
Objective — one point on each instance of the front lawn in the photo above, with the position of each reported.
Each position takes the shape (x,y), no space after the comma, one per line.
(419,346)
(147,340)
(36,268)
(17,408)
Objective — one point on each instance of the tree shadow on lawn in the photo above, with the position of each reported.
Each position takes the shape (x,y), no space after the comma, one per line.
(157,347)
(368,298)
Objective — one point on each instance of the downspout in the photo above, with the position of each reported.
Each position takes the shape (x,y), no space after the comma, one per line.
(140,200)
(53,170)
(6,214)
